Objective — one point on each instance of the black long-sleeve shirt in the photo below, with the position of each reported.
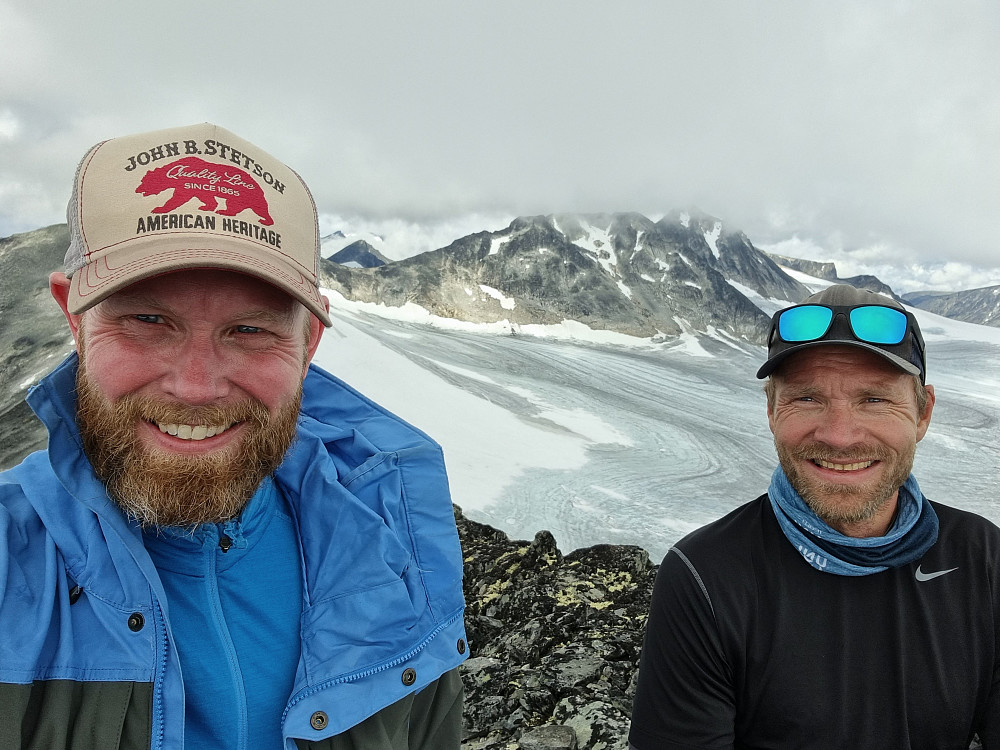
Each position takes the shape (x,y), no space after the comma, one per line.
(748,646)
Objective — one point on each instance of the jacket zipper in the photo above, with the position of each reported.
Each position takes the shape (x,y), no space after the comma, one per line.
(159,678)
(212,579)
(374,670)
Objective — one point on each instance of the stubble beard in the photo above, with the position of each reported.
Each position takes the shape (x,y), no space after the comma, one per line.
(838,504)
(157,488)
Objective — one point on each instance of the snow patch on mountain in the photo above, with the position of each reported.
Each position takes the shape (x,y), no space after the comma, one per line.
(498,242)
(769,306)
(567,330)
(505,302)
(712,238)
(599,243)
(687,342)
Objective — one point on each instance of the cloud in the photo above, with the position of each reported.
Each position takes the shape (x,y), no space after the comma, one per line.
(401,238)
(875,123)
(892,265)
(10,127)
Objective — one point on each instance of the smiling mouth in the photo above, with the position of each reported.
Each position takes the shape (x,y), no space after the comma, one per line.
(842,467)
(192,431)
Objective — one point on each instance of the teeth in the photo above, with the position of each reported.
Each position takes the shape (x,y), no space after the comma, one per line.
(844,467)
(191,432)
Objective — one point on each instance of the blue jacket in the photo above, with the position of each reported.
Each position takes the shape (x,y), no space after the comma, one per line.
(382,600)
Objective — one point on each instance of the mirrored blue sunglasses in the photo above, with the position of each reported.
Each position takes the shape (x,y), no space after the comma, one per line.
(872,324)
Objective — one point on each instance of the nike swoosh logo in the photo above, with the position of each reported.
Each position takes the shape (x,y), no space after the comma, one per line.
(922,576)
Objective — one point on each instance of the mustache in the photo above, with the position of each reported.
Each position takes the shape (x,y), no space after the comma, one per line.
(853,454)
(158,488)
(150,409)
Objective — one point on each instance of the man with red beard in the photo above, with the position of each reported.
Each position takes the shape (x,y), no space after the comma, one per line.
(841,609)
(224,545)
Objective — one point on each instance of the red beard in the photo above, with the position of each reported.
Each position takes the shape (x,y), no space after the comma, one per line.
(157,488)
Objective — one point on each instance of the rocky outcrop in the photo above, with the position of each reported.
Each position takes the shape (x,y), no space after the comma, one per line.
(555,641)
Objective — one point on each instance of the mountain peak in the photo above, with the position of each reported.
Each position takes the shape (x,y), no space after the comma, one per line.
(359,254)
(615,271)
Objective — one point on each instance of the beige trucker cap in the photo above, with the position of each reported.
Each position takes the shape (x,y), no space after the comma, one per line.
(189,197)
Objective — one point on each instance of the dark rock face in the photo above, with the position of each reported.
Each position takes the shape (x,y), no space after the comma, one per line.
(34,336)
(359,254)
(872,284)
(620,272)
(555,641)
(973,306)
(827,271)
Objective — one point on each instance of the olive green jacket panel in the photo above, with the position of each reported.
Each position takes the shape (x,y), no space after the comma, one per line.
(428,720)
(76,715)
(118,716)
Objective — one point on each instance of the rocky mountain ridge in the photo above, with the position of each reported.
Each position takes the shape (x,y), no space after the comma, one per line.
(828,272)
(333,243)
(620,272)
(359,254)
(972,305)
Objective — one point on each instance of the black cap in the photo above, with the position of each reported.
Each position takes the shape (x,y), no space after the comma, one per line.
(908,355)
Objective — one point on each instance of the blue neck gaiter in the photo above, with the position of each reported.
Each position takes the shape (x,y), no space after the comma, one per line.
(912,533)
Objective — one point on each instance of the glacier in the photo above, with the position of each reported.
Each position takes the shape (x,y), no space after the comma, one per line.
(603,438)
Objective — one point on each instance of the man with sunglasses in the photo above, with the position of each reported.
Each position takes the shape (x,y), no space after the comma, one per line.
(842,608)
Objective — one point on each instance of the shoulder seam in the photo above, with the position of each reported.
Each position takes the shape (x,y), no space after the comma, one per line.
(697,577)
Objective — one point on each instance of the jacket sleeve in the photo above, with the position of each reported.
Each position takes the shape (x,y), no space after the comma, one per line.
(430,719)
(684,697)
(989,725)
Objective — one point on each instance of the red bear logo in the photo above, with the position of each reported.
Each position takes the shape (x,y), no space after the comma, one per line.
(192,177)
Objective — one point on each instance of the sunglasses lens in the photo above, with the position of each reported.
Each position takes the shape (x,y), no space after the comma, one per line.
(878,325)
(804,323)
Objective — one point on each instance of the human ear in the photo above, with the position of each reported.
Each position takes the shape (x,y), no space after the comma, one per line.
(924,420)
(316,329)
(59,288)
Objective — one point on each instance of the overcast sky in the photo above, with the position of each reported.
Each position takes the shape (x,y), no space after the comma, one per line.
(863,132)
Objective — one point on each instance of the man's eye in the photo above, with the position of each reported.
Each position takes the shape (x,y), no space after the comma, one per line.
(148,318)
(247,329)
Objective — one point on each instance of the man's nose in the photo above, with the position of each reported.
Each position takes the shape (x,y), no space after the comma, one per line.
(197,372)
(839,426)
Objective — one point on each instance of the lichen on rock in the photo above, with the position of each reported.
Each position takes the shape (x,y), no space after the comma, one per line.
(555,641)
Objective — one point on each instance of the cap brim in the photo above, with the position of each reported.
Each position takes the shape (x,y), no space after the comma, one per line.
(771,365)
(119,268)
